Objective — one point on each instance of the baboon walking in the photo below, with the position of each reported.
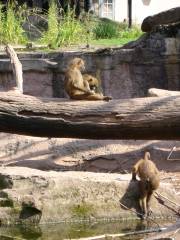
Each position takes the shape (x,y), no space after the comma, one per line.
(149,181)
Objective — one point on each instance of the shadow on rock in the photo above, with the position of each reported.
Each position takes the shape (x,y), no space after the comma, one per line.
(129,200)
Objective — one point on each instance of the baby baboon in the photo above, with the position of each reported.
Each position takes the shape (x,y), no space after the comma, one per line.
(149,181)
(77,87)
(93,83)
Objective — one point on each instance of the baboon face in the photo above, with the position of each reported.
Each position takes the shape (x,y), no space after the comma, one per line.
(78,63)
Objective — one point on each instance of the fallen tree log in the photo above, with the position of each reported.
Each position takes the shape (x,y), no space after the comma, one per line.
(166,17)
(142,118)
(156,92)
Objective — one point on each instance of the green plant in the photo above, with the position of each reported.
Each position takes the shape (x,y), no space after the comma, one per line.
(106,28)
(1,23)
(11,25)
(63,28)
(71,30)
(60,28)
(131,33)
(50,36)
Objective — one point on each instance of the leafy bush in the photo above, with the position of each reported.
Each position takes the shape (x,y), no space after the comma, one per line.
(131,33)
(106,28)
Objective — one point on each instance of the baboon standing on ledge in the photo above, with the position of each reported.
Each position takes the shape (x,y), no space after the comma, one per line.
(149,181)
(77,87)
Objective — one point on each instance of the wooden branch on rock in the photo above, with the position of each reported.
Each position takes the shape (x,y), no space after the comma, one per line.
(16,67)
(142,118)
(155,92)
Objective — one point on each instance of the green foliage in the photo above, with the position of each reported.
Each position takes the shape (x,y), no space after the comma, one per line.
(63,28)
(106,28)
(50,36)
(131,33)
(11,21)
(83,210)
(71,30)
(110,42)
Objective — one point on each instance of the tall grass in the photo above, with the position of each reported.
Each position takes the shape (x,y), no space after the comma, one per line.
(50,36)
(107,29)
(71,30)
(11,21)
(1,23)
(131,33)
(63,28)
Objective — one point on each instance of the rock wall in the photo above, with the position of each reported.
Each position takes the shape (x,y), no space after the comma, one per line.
(152,61)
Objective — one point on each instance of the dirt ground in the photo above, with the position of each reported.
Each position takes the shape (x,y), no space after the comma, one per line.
(107,156)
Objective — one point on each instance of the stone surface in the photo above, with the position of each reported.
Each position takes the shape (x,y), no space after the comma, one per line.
(44,197)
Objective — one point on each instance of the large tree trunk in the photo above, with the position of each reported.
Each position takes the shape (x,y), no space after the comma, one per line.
(166,17)
(87,5)
(129,13)
(142,118)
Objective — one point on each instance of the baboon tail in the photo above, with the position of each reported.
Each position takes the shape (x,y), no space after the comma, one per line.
(147,156)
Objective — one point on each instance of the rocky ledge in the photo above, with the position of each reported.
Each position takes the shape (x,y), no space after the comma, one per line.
(34,196)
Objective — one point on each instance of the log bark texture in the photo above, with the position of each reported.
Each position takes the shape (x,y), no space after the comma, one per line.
(166,17)
(142,118)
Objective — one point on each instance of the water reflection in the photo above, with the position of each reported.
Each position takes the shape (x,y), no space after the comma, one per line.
(69,231)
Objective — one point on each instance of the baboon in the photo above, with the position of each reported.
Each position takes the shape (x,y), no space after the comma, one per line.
(149,181)
(93,83)
(77,87)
